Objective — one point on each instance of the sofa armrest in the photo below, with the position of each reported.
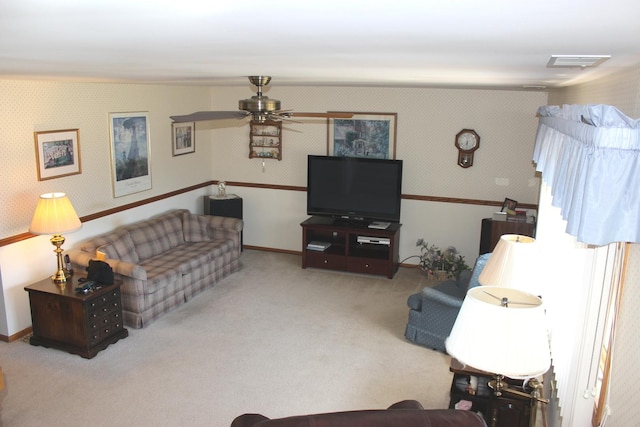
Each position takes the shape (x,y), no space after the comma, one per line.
(431,295)
(219,223)
(225,228)
(81,258)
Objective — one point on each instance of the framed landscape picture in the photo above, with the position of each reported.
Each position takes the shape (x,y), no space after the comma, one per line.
(183,138)
(130,152)
(364,135)
(57,153)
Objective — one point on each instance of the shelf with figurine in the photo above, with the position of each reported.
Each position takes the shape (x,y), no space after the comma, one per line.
(265,140)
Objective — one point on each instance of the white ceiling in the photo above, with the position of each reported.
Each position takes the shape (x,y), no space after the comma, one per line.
(453,43)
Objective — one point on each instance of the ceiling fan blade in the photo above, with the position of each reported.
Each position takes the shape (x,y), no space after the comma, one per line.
(323,115)
(209,115)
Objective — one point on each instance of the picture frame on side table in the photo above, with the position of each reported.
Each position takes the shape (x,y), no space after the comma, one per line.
(57,153)
(183,138)
(130,151)
(509,206)
(364,135)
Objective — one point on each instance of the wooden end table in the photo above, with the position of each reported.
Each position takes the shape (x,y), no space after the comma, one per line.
(507,410)
(78,323)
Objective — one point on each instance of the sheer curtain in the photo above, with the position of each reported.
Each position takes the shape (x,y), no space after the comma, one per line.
(590,157)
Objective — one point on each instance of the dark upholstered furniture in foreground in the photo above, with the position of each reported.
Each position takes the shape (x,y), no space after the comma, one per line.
(408,413)
(434,310)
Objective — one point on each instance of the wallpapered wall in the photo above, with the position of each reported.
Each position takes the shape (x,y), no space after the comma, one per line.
(621,90)
(428,120)
(29,106)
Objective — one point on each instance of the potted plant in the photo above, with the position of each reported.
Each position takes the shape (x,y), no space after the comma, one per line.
(447,264)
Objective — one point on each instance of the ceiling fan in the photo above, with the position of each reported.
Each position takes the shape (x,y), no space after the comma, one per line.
(261,108)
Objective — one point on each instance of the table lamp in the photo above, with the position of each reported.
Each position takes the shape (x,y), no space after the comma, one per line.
(513,263)
(55,215)
(503,331)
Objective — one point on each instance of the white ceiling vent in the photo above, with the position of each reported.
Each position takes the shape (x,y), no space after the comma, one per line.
(573,61)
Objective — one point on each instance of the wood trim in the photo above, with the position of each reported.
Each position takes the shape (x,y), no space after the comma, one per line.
(282,251)
(269,186)
(17,335)
(24,236)
(465,201)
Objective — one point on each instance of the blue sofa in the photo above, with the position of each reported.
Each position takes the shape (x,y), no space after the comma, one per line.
(434,310)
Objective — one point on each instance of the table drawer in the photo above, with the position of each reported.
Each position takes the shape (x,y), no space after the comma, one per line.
(368,266)
(323,260)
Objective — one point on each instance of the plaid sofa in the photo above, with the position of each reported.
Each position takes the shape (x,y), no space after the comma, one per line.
(165,260)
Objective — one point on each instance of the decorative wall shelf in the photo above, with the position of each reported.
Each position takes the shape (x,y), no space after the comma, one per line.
(265,140)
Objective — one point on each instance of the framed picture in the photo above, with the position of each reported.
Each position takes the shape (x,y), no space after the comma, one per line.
(57,153)
(130,152)
(509,206)
(183,139)
(363,135)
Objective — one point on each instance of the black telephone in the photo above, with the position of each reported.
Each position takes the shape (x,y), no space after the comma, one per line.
(67,262)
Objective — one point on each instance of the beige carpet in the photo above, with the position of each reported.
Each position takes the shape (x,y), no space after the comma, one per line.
(273,339)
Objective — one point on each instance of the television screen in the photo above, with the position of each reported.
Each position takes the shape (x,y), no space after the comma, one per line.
(354,188)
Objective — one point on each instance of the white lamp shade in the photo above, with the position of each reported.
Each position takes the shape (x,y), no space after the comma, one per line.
(514,263)
(54,214)
(511,340)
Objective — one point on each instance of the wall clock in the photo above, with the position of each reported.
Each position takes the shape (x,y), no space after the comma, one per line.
(467,142)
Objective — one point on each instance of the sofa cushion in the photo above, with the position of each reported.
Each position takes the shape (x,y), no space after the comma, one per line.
(159,275)
(150,238)
(122,249)
(196,227)
(184,258)
(172,223)
(450,287)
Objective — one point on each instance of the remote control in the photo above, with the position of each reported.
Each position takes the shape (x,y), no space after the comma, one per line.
(86,287)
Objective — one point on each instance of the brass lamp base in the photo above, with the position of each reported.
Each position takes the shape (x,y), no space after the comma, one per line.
(499,386)
(59,277)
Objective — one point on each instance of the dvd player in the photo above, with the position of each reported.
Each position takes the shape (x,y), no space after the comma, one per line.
(374,240)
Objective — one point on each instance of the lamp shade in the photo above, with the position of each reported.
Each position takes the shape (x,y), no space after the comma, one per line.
(501,331)
(54,214)
(513,263)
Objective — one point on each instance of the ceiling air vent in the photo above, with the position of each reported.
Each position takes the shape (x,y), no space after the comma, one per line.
(574,61)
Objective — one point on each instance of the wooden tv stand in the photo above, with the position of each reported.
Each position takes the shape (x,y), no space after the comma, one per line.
(345,252)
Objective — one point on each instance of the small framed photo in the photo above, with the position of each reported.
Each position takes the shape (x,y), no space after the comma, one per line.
(509,206)
(183,140)
(57,153)
(364,135)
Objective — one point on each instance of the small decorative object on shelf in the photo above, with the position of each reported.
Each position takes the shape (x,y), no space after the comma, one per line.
(440,264)
(222,190)
(265,140)
(509,206)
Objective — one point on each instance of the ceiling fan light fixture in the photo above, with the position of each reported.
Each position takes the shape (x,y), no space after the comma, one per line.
(575,61)
(259,104)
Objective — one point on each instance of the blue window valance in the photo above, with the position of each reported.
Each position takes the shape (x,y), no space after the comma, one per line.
(590,157)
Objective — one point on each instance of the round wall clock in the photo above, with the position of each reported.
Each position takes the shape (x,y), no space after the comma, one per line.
(467,142)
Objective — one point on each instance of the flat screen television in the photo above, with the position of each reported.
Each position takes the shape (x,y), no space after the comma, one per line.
(354,189)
